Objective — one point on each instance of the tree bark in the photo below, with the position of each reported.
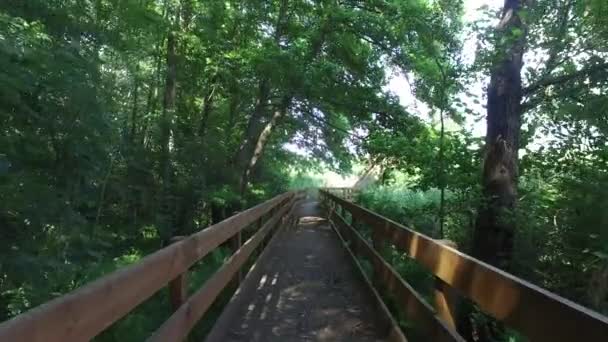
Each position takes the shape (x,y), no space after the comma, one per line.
(442,181)
(495,224)
(206,110)
(262,140)
(152,98)
(165,216)
(597,290)
(233,108)
(254,125)
(442,173)
(255,152)
(134,111)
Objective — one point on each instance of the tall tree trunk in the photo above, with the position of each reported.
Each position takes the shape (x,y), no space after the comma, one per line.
(262,140)
(152,100)
(134,111)
(442,181)
(233,107)
(264,133)
(494,228)
(597,290)
(442,178)
(254,125)
(206,110)
(495,224)
(165,212)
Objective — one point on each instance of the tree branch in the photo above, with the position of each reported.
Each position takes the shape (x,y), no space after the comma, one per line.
(329,124)
(545,82)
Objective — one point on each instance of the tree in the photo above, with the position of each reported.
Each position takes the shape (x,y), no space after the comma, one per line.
(495,227)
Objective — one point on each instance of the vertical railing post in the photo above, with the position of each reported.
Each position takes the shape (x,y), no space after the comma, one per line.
(445,298)
(293,216)
(378,238)
(378,242)
(332,207)
(261,222)
(178,287)
(235,244)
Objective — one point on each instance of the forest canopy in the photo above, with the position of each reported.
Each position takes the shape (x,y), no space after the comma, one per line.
(127,122)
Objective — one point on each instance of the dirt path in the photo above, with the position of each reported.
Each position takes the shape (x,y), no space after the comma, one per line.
(304,289)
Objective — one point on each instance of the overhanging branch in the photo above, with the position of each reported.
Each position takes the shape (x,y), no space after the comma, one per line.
(545,82)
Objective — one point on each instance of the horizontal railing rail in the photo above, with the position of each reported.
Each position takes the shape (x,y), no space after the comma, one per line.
(416,309)
(181,322)
(535,312)
(87,311)
(347,193)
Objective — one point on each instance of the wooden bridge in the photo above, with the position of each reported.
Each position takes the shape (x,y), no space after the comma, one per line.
(310,268)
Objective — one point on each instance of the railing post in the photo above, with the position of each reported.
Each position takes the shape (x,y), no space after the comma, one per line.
(378,242)
(445,298)
(378,238)
(333,210)
(235,243)
(353,221)
(178,287)
(259,224)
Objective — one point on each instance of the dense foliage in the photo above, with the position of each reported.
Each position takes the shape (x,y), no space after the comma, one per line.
(125,123)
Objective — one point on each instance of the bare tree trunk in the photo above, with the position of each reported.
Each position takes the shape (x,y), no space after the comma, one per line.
(255,152)
(442,180)
(494,228)
(262,140)
(134,112)
(233,108)
(102,195)
(152,101)
(495,224)
(597,290)
(206,110)
(164,219)
(254,125)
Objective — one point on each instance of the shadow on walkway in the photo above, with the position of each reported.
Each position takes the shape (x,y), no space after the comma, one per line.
(303,288)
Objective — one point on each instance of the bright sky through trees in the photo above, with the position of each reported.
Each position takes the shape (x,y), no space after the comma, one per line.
(400,85)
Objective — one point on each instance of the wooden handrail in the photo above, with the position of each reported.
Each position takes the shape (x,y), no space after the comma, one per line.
(415,307)
(535,312)
(85,312)
(394,333)
(177,327)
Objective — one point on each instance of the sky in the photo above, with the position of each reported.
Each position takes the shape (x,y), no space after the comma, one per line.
(399,85)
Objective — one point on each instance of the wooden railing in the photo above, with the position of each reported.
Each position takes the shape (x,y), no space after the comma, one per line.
(87,311)
(532,311)
(346,193)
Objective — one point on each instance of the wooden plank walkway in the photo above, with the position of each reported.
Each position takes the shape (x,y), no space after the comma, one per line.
(304,288)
